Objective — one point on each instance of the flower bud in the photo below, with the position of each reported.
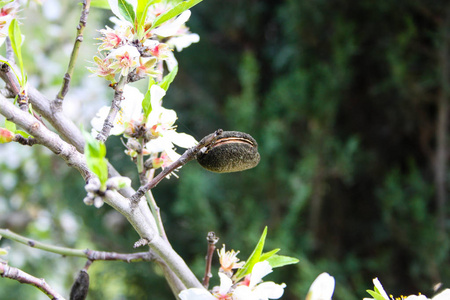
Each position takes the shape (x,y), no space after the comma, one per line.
(118,182)
(6,136)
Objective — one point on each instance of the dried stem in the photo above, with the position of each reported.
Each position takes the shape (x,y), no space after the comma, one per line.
(187,156)
(57,103)
(30,141)
(212,240)
(23,277)
(115,107)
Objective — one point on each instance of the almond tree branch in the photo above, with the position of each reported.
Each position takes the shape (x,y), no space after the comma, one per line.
(187,156)
(45,137)
(65,127)
(92,255)
(138,215)
(23,277)
(57,103)
(115,107)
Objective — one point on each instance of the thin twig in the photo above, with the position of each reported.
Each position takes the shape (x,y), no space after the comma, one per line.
(91,255)
(212,240)
(115,107)
(57,103)
(187,156)
(23,277)
(9,50)
(156,211)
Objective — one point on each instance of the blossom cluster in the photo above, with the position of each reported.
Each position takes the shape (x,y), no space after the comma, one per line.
(380,293)
(7,13)
(125,51)
(132,52)
(157,130)
(251,287)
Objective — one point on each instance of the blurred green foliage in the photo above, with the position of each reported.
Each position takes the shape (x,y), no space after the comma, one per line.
(342,98)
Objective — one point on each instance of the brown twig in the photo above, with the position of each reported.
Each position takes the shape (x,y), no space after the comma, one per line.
(212,240)
(30,141)
(187,156)
(57,103)
(23,277)
(115,107)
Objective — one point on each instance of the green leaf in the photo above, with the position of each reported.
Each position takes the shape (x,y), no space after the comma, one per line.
(127,11)
(175,11)
(141,13)
(95,153)
(147,104)
(23,133)
(167,80)
(277,261)
(3,251)
(253,259)
(266,255)
(100,4)
(10,126)
(375,295)
(16,42)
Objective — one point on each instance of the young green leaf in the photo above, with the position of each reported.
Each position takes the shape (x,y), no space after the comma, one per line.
(147,104)
(95,153)
(141,13)
(16,42)
(253,259)
(277,261)
(10,126)
(269,254)
(175,11)
(375,295)
(23,133)
(3,251)
(100,4)
(167,80)
(127,11)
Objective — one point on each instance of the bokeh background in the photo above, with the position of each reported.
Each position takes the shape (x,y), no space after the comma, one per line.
(349,101)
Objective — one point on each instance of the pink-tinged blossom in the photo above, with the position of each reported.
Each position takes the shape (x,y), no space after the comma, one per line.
(103,68)
(6,136)
(157,49)
(255,289)
(7,13)
(228,260)
(147,67)
(125,59)
(110,39)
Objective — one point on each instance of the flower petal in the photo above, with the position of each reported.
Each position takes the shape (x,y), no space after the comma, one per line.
(260,269)
(225,284)
(322,288)
(269,290)
(196,294)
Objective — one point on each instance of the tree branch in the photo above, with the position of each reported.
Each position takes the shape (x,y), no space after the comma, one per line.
(45,137)
(187,156)
(23,277)
(57,103)
(92,255)
(115,107)
(63,125)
